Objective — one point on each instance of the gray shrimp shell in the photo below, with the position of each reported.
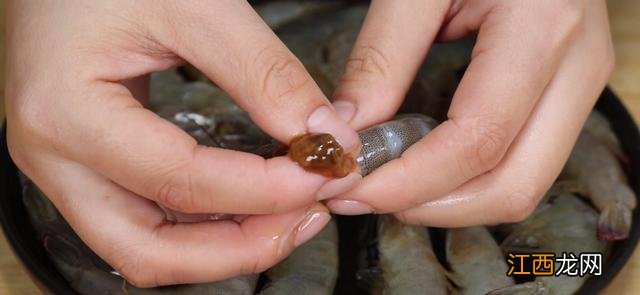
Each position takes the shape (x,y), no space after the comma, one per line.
(387,141)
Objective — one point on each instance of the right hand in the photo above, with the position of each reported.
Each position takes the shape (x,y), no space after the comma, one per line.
(77,74)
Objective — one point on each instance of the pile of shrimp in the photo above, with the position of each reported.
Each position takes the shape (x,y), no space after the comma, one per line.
(588,207)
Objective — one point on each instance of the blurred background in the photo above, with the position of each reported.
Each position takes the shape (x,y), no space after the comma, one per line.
(625,81)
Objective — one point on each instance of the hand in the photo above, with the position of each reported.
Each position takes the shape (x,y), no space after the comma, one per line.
(75,128)
(536,71)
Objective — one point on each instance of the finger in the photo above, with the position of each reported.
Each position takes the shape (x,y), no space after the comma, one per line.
(513,189)
(236,49)
(392,44)
(130,232)
(111,133)
(502,84)
(154,159)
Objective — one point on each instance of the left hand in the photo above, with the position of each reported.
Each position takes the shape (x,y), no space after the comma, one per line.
(536,71)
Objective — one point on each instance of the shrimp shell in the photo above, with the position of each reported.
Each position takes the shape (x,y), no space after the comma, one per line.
(387,141)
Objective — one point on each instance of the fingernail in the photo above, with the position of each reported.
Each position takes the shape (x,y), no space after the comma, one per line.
(344,109)
(349,207)
(325,120)
(311,226)
(338,186)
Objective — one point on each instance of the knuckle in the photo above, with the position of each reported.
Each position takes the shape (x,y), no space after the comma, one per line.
(252,265)
(260,257)
(413,192)
(562,21)
(174,190)
(280,74)
(608,60)
(15,151)
(135,266)
(283,196)
(366,63)
(521,203)
(282,199)
(33,120)
(22,111)
(485,143)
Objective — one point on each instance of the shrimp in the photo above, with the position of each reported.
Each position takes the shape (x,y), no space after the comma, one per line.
(566,224)
(594,171)
(476,258)
(323,44)
(87,273)
(321,153)
(311,269)
(598,125)
(387,141)
(408,263)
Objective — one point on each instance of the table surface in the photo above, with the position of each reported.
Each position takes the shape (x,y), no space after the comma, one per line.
(625,27)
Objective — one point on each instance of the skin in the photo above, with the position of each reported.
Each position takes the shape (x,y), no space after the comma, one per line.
(536,71)
(76,85)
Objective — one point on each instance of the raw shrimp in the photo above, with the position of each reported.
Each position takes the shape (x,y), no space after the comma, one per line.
(566,224)
(408,263)
(74,264)
(380,144)
(322,154)
(311,269)
(310,39)
(387,141)
(87,273)
(204,111)
(476,260)
(594,171)
(598,125)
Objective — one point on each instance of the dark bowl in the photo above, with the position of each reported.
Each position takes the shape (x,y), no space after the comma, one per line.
(23,240)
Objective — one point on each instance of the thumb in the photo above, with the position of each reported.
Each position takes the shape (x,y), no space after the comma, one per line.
(393,42)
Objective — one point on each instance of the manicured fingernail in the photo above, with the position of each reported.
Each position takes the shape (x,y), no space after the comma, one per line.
(338,186)
(310,226)
(344,109)
(349,207)
(325,120)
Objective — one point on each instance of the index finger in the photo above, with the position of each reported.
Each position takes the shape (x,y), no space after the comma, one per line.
(154,158)
(507,75)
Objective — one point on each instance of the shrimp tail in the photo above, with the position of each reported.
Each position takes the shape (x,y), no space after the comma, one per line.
(614,222)
(534,288)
